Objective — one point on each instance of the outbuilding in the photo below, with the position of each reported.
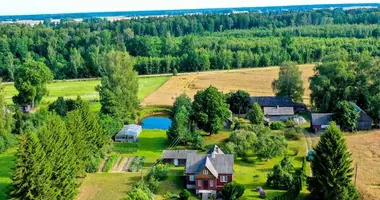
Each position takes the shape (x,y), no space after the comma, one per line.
(278,113)
(320,121)
(129,133)
(176,157)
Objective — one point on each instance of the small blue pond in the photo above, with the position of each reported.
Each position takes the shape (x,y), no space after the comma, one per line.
(156,122)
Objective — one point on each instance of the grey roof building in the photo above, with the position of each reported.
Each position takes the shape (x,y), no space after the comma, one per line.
(129,133)
(278,113)
(275,101)
(176,157)
(216,163)
(320,121)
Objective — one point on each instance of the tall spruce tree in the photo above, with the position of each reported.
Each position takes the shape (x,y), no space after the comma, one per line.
(119,86)
(332,168)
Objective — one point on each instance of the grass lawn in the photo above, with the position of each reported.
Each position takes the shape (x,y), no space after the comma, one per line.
(107,186)
(86,89)
(6,164)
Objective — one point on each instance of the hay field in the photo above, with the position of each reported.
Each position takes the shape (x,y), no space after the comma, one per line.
(365,153)
(257,81)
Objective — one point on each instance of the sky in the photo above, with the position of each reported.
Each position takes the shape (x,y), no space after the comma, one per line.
(21,7)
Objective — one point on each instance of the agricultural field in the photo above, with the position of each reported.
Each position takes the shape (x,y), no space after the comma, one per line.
(365,153)
(86,89)
(256,81)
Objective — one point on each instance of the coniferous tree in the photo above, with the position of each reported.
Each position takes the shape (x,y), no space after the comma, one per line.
(180,126)
(332,168)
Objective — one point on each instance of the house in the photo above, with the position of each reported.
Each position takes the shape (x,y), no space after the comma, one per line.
(320,121)
(275,101)
(215,149)
(176,157)
(278,113)
(364,122)
(129,133)
(208,173)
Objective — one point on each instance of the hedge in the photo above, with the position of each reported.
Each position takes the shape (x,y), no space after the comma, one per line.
(126,147)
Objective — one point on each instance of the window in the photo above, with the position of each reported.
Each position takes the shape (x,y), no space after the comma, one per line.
(223,179)
(205,172)
(211,183)
(199,182)
(192,178)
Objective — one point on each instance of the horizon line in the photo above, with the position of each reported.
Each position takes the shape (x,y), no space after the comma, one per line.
(184,9)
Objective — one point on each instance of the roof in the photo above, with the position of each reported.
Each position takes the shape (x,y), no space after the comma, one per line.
(215,149)
(321,118)
(210,167)
(221,163)
(177,154)
(130,130)
(278,111)
(273,101)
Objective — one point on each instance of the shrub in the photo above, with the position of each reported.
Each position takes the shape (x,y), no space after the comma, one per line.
(262,193)
(292,134)
(126,147)
(277,125)
(110,162)
(184,195)
(159,172)
(153,184)
(290,123)
(295,150)
(248,160)
(175,72)
(233,190)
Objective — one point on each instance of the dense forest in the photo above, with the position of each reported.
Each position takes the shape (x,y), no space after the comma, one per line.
(191,42)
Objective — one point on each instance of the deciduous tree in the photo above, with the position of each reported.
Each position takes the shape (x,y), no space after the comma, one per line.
(290,83)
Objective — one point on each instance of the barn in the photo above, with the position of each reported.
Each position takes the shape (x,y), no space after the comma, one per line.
(275,101)
(364,122)
(320,121)
(278,113)
(176,157)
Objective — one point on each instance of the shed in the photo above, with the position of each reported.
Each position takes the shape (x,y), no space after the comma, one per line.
(129,133)
(278,113)
(364,122)
(320,121)
(176,157)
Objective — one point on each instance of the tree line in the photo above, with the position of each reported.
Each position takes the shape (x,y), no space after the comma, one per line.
(74,50)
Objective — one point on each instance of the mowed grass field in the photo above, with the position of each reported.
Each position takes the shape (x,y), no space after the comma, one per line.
(86,89)
(256,81)
(7,162)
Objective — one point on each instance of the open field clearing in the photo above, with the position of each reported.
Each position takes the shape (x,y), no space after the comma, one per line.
(365,153)
(257,81)
(6,164)
(86,89)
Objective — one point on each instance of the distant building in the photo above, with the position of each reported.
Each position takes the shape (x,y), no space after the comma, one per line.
(176,157)
(129,133)
(275,101)
(278,113)
(320,121)
(364,122)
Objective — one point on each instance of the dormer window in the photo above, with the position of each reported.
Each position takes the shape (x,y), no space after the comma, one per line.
(205,172)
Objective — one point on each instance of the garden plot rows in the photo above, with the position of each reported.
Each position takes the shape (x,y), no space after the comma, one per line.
(121,164)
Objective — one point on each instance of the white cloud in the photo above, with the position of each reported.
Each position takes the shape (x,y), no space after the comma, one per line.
(12,7)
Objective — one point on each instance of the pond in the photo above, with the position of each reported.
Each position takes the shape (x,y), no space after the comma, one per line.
(156,122)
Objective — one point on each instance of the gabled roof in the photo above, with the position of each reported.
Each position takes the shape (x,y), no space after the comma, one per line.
(130,130)
(321,118)
(177,154)
(210,167)
(222,163)
(276,111)
(273,101)
(215,149)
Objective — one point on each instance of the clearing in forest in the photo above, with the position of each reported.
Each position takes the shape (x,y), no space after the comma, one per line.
(256,81)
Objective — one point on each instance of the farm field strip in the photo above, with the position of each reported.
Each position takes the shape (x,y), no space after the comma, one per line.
(256,81)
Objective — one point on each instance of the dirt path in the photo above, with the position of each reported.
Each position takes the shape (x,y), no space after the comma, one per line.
(103,163)
(128,164)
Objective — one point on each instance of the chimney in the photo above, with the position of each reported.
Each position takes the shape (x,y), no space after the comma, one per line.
(216,149)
